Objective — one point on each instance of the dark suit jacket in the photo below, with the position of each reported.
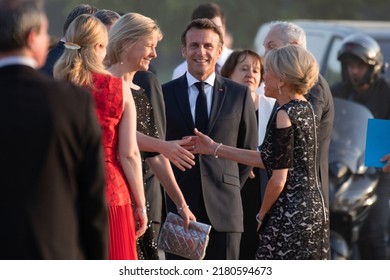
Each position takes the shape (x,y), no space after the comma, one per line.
(52,57)
(153,192)
(52,203)
(232,121)
(322,101)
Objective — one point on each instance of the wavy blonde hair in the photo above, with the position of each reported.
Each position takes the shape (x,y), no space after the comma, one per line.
(294,65)
(127,31)
(76,65)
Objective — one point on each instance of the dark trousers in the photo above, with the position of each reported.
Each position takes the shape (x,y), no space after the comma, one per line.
(373,236)
(251,202)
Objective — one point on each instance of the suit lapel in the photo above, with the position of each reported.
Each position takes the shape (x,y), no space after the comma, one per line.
(219,95)
(181,94)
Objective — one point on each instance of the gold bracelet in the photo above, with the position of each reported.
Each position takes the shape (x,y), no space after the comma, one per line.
(216,150)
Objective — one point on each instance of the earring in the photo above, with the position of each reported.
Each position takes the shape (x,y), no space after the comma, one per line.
(121,63)
(280,91)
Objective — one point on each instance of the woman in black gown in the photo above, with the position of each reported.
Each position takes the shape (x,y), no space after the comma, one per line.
(131,47)
(292,221)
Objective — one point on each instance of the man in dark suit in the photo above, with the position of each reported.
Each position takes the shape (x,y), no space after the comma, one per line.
(56,52)
(212,187)
(52,203)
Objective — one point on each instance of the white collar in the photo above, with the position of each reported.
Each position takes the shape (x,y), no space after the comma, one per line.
(192,80)
(18,60)
(224,56)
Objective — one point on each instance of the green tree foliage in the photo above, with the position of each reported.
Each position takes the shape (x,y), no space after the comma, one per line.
(243,18)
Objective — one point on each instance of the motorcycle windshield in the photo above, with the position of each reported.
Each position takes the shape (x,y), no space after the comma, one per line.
(349,133)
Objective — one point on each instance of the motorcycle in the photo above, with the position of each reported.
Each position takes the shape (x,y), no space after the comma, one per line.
(351,183)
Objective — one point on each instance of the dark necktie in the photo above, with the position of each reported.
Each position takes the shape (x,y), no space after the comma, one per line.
(201,116)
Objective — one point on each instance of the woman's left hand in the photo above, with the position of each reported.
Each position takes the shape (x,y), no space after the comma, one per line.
(141,221)
(187,215)
(175,151)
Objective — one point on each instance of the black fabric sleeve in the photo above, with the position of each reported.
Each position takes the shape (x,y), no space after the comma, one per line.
(283,148)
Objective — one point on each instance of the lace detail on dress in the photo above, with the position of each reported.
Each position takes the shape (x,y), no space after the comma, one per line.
(296,227)
(283,148)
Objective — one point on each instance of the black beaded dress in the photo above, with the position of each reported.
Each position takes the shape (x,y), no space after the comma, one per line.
(146,244)
(296,226)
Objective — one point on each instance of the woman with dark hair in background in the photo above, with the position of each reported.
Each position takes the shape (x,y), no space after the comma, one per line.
(245,66)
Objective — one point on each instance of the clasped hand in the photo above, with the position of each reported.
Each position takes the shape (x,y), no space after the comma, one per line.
(177,153)
(200,143)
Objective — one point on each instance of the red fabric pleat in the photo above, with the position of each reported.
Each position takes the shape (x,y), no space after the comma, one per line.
(122,244)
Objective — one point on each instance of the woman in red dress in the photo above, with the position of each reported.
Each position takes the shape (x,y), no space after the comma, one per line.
(82,64)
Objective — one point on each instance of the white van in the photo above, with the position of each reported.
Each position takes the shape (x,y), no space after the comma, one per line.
(324,40)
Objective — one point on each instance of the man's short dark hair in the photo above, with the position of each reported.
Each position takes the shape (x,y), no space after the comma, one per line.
(108,17)
(78,10)
(208,10)
(17,19)
(202,23)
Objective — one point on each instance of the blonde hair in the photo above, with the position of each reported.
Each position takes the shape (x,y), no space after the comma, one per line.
(127,31)
(76,65)
(294,65)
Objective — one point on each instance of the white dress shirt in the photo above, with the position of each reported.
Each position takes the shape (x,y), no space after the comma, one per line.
(264,112)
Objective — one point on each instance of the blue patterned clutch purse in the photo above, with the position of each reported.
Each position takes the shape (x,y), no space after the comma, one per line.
(190,244)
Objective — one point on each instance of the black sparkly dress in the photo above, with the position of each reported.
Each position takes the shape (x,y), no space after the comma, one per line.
(296,225)
(146,244)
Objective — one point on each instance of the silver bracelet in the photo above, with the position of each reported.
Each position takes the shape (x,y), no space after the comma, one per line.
(179,209)
(216,150)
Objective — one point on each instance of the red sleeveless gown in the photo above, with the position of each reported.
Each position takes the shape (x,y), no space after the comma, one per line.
(109,106)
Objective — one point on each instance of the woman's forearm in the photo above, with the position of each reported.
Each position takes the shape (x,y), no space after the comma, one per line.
(163,171)
(243,156)
(149,144)
(273,189)
(131,165)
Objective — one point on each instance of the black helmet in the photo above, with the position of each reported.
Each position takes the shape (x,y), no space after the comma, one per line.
(366,49)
